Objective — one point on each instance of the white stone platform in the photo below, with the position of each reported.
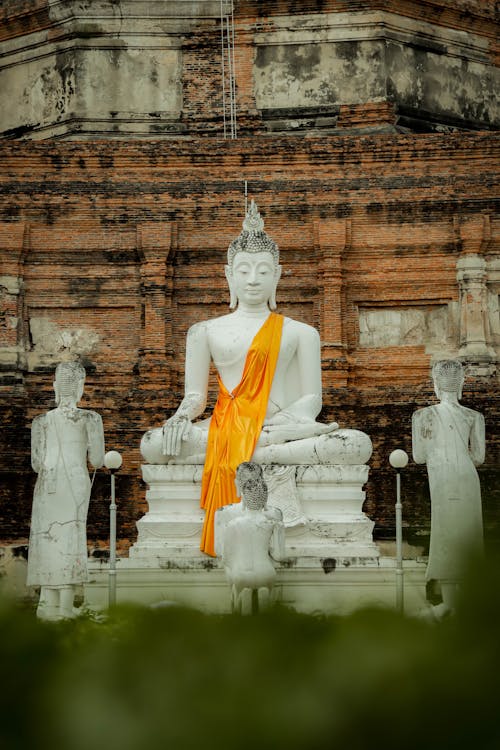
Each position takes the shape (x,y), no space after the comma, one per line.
(331,588)
(201,584)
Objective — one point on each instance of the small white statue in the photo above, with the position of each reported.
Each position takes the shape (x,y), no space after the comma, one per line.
(249,536)
(61,441)
(450,439)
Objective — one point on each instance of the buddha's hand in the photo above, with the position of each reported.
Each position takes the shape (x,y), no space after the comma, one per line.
(284,432)
(175,430)
(284,417)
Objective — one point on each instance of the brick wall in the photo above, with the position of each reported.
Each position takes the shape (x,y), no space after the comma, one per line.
(126,241)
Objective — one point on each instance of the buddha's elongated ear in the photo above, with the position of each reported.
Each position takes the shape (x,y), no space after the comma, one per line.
(272,298)
(233,299)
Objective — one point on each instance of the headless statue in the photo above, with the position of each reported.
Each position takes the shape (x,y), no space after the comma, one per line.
(269,374)
(249,536)
(61,441)
(450,439)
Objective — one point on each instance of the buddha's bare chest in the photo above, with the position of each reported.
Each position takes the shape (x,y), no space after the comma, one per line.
(229,343)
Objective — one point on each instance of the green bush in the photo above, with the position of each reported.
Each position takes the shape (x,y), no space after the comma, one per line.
(175,679)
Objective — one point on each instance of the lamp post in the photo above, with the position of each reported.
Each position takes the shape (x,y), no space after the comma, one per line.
(398,460)
(112,461)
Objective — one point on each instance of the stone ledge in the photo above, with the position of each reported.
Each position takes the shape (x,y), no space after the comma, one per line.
(310,590)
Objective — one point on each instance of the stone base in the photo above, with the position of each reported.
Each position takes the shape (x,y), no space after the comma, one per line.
(321,505)
(311,586)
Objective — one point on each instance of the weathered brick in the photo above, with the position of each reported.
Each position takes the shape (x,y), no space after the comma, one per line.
(134,251)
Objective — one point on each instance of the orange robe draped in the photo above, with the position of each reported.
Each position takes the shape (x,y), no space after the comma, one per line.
(236,425)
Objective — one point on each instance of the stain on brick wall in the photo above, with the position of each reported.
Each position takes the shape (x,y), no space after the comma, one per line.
(129,69)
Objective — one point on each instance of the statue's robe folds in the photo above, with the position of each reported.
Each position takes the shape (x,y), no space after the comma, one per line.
(236,425)
(449,438)
(61,441)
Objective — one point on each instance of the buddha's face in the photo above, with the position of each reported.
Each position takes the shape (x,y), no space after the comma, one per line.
(253,277)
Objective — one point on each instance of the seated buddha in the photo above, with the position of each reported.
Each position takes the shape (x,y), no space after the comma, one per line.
(269,376)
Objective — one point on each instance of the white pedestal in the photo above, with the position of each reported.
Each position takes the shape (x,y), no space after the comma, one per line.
(321,505)
(172,526)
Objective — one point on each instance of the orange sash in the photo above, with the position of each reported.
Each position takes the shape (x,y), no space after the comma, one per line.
(236,425)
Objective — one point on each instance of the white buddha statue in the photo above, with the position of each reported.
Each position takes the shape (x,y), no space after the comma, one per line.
(269,373)
(450,439)
(249,540)
(62,440)
(290,433)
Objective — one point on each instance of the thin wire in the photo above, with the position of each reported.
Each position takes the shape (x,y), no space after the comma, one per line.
(228,58)
(234,71)
(230,69)
(223,67)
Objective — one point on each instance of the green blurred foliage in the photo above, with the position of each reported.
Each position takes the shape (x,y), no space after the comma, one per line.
(176,679)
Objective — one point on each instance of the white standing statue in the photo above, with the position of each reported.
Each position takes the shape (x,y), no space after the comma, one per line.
(61,442)
(249,536)
(450,439)
(269,375)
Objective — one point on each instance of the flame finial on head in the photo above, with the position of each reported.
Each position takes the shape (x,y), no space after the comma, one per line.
(253,221)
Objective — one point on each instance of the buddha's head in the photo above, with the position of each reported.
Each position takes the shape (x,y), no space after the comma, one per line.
(448,377)
(250,485)
(253,268)
(68,383)
(245,471)
(254,494)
